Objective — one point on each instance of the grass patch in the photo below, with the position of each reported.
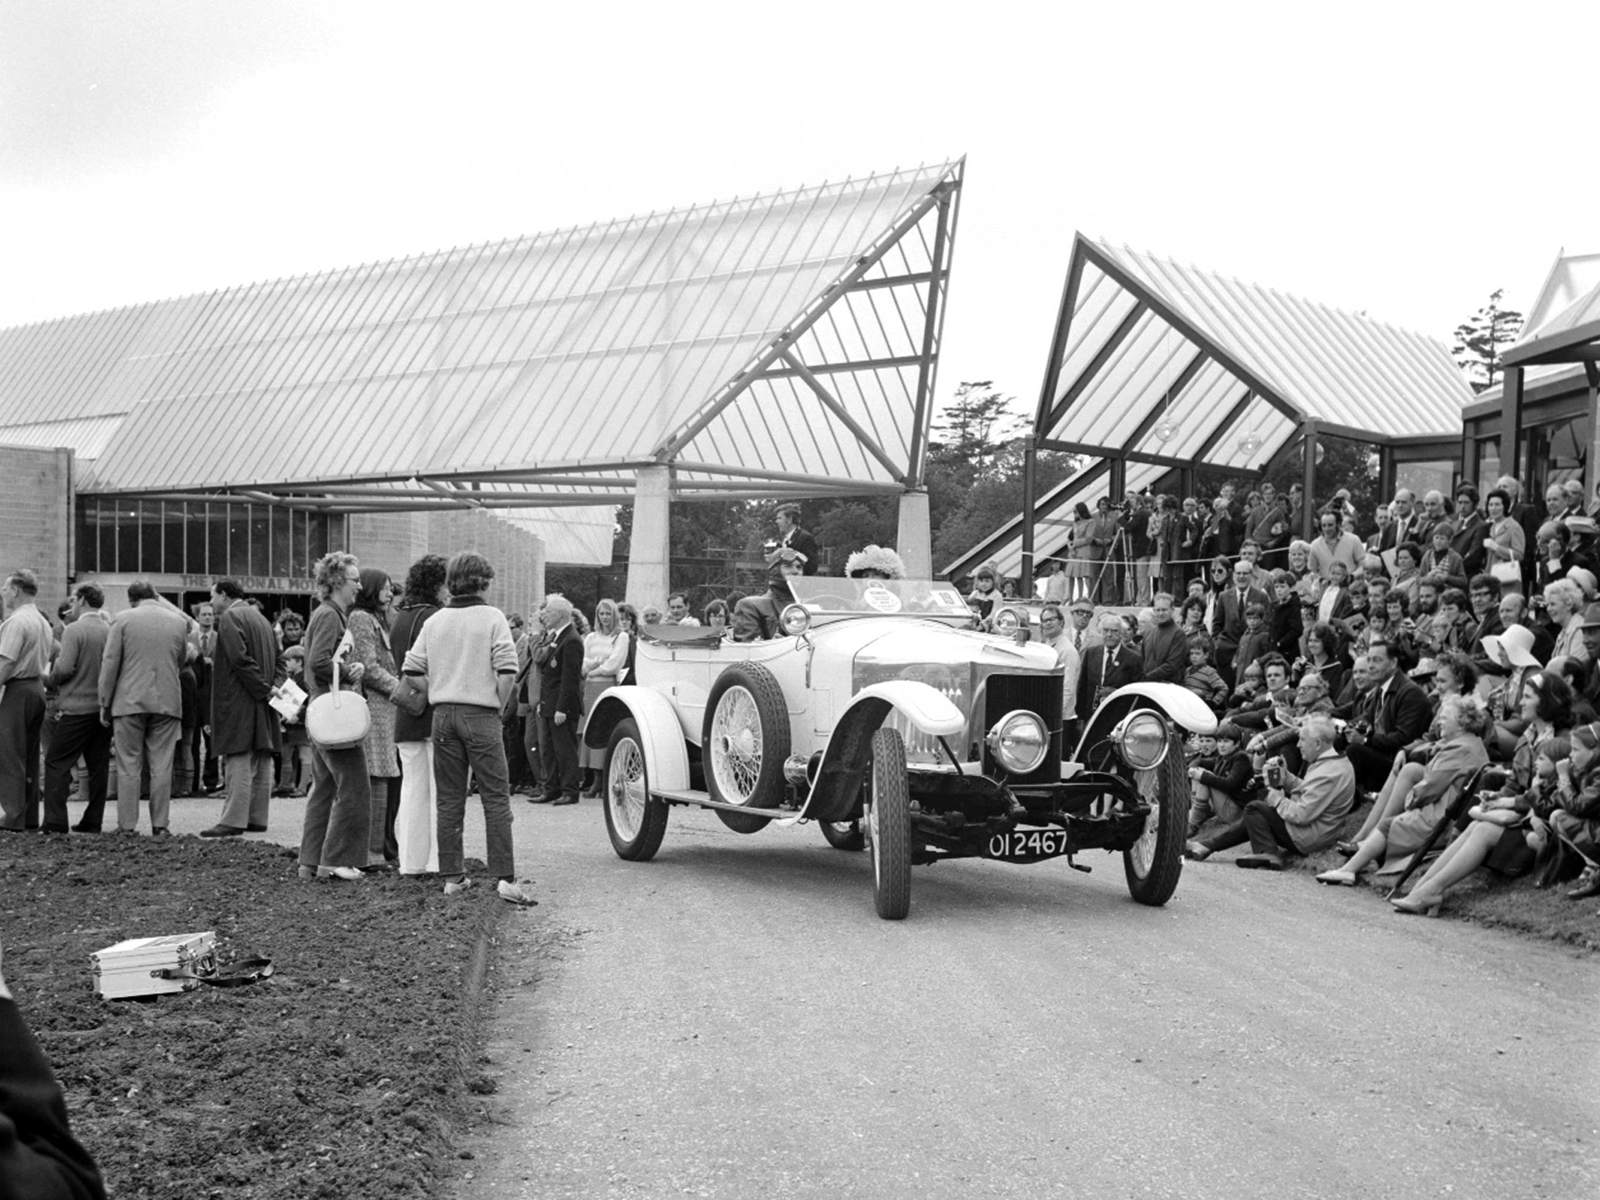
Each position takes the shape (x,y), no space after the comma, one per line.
(346,1074)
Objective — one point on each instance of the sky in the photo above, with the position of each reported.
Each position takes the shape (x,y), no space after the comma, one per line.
(1401,159)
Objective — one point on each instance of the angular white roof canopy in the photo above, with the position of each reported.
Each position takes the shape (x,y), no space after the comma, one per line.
(1165,366)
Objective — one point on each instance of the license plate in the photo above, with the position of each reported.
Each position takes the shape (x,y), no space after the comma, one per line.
(1029,845)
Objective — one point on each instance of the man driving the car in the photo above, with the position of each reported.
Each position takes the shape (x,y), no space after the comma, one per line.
(755,618)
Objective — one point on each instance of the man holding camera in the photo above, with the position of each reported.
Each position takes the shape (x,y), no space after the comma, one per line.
(1299,814)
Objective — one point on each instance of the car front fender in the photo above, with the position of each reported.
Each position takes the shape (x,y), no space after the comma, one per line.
(660,735)
(849,751)
(1181,706)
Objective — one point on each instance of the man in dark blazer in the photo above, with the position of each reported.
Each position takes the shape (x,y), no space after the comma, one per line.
(1106,667)
(560,702)
(1394,713)
(1227,621)
(1403,527)
(795,538)
(1470,530)
(245,729)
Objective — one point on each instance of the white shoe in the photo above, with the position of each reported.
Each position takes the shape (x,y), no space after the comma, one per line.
(456,886)
(515,893)
(1339,877)
(348,874)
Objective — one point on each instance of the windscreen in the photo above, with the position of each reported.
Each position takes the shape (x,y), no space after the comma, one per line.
(824,596)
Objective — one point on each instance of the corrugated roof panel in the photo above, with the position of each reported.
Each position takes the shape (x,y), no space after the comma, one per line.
(86,437)
(503,355)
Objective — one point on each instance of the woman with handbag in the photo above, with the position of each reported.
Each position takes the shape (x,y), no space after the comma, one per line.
(333,837)
(413,722)
(1408,816)
(1506,832)
(605,653)
(1506,544)
(369,630)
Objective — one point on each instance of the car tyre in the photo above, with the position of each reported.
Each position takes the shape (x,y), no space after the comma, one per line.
(1154,863)
(744,742)
(844,835)
(888,819)
(636,821)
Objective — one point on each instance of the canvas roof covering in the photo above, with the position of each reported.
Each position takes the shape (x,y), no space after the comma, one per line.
(760,346)
(1235,370)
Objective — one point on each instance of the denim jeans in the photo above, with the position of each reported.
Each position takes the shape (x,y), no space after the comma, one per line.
(338,809)
(468,736)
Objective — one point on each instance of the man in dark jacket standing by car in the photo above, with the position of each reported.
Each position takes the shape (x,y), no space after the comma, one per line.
(244,725)
(560,702)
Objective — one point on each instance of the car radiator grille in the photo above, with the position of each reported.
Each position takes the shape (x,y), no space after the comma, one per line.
(1039,694)
(923,748)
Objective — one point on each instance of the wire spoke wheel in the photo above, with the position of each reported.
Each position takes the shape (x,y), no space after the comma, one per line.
(1154,862)
(635,821)
(744,742)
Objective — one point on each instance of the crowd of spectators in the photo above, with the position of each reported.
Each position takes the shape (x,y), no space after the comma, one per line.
(1448,647)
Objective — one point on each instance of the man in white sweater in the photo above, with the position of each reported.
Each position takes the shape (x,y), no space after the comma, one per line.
(466,652)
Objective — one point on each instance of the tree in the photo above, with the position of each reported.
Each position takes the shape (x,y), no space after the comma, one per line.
(1478,339)
(974,428)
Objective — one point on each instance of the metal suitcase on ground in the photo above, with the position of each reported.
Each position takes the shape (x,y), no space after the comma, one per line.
(136,967)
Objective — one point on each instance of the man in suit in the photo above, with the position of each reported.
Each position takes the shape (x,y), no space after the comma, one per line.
(790,534)
(1403,527)
(1432,513)
(1106,667)
(1084,632)
(1483,592)
(1395,714)
(1228,617)
(141,698)
(560,702)
(1382,519)
(26,640)
(75,678)
(1470,530)
(244,726)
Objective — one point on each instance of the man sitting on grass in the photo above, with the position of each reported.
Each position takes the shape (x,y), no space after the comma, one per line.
(1299,815)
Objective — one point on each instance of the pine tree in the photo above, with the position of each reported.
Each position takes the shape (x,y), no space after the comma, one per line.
(1478,340)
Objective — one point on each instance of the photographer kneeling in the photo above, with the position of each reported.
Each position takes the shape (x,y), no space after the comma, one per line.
(1299,815)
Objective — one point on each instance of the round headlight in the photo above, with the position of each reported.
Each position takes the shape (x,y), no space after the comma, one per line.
(795,620)
(1007,621)
(1019,742)
(1141,739)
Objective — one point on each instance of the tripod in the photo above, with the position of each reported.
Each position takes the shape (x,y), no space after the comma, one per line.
(1115,553)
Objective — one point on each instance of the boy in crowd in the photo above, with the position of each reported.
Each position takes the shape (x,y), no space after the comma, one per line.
(1219,786)
(1202,678)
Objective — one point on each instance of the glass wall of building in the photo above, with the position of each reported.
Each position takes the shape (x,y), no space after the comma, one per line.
(264,546)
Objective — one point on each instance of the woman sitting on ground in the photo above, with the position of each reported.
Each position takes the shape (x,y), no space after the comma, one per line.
(1507,832)
(1406,815)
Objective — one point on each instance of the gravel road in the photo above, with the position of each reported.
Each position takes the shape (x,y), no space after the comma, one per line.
(732,1020)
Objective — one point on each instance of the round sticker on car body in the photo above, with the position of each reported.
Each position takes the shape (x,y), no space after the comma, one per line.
(880,599)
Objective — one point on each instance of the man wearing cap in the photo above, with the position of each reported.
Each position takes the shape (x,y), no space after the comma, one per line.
(793,537)
(755,618)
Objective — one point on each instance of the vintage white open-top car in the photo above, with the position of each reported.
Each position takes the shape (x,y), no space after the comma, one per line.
(879,715)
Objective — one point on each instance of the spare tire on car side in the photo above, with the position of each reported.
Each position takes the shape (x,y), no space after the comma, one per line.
(744,742)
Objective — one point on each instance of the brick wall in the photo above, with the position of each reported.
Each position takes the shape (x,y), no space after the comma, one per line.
(36,518)
(393,541)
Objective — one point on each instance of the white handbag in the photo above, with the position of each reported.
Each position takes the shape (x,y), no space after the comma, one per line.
(338,720)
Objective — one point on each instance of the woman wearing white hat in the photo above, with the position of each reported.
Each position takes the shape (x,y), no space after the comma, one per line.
(1513,651)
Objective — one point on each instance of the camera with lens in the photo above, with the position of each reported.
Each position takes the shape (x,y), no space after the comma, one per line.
(1274,772)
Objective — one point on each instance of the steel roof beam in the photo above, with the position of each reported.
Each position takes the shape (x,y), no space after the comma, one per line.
(1107,351)
(1157,411)
(831,403)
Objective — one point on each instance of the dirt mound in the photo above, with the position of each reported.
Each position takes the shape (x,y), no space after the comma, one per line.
(345,1074)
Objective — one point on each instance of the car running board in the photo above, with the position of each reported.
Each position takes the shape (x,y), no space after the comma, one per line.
(704,800)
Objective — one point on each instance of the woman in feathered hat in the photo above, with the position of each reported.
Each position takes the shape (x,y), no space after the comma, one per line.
(874,562)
